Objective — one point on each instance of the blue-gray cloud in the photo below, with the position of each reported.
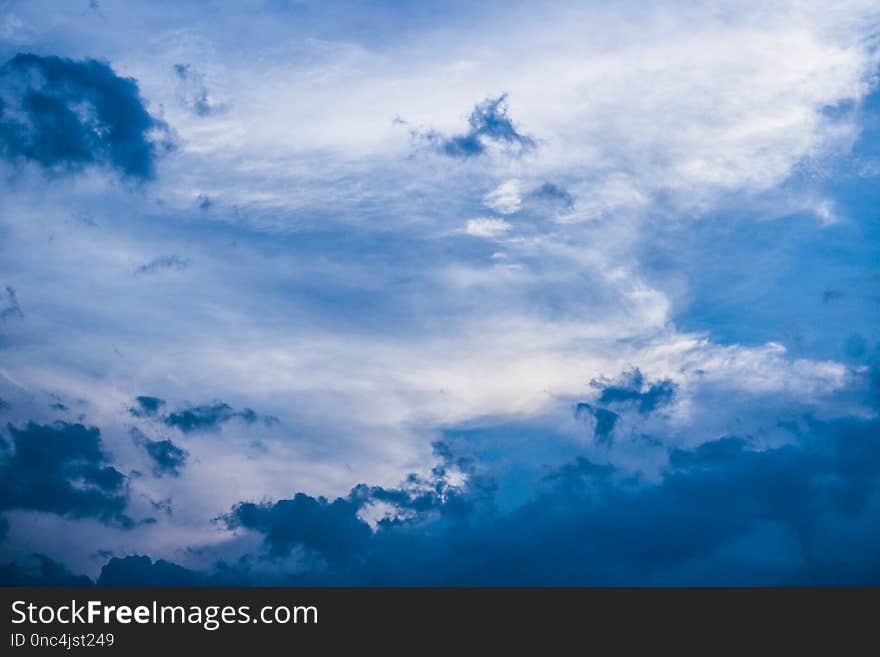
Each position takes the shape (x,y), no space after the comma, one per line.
(192,91)
(39,570)
(172,262)
(9,306)
(202,417)
(64,114)
(629,392)
(208,417)
(168,458)
(631,389)
(489,121)
(139,570)
(146,406)
(61,468)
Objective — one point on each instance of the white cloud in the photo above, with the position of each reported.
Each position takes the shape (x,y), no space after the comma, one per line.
(486,227)
(506,198)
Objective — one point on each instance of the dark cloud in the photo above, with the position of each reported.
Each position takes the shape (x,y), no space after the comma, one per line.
(39,570)
(331,529)
(551,192)
(335,532)
(65,114)
(631,388)
(629,392)
(163,262)
(208,417)
(168,458)
(192,92)
(9,306)
(140,570)
(61,468)
(490,122)
(723,513)
(146,406)
(605,421)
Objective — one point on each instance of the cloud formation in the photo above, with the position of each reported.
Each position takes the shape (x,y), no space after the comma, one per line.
(64,114)
(61,468)
(9,304)
(722,513)
(189,419)
(168,458)
(193,92)
(489,123)
(161,263)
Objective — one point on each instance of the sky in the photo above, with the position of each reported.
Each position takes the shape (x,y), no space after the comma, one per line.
(439,293)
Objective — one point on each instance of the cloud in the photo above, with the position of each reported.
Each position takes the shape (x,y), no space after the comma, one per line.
(605,421)
(164,262)
(192,91)
(208,417)
(65,114)
(487,227)
(39,570)
(631,389)
(337,531)
(334,271)
(506,198)
(332,529)
(723,513)
(488,123)
(146,406)
(9,306)
(189,419)
(138,570)
(168,458)
(553,192)
(61,468)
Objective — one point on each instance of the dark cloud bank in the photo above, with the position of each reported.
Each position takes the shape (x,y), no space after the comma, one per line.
(725,512)
(64,114)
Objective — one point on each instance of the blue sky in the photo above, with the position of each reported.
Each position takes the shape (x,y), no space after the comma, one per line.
(429,293)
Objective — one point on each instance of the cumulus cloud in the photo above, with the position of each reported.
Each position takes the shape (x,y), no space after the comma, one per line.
(64,114)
